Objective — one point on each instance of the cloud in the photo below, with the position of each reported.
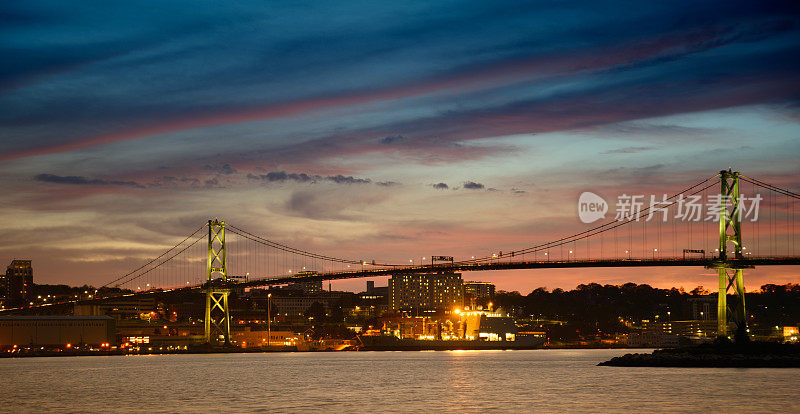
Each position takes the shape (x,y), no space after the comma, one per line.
(79,180)
(471,185)
(628,150)
(168,180)
(224,169)
(393,139)
(280,176)
(387,183)
(283,176)
(440,186)
(331,203)
(341,179)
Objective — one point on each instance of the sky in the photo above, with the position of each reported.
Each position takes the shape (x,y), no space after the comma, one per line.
(386,130)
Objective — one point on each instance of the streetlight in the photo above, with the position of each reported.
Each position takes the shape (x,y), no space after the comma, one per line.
(654,253)
(546,256)
(269,320)
(628,252)
(568,255)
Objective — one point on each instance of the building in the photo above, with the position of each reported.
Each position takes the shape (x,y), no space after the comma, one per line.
(373,301)
(308,288)
(132,307)
(295,306)
(478,292)
(292,305)
(703,308)
(427,291)
(687,329)
(56,331)
(17,284)
(488,326)
(652,339)
(248,338)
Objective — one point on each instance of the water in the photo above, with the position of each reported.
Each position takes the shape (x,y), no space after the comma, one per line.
(458,381)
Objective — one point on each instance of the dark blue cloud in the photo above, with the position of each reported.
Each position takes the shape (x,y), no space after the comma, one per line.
(79,70)
(471,185)
(79,180)
(283,176)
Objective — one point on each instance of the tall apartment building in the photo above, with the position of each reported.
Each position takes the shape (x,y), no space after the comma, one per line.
(429,291)
(478,291)
(17,284)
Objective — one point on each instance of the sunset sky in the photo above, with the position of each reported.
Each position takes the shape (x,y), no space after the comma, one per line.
(385,130)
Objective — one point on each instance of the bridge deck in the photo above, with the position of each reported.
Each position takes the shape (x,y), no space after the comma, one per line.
(456,267)
(539,264)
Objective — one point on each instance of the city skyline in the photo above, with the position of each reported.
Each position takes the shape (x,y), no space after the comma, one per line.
(369,131)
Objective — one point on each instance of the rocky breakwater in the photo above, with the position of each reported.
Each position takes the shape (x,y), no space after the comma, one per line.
(720,354)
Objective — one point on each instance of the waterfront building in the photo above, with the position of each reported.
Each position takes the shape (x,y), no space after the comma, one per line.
(248,338)
(487,326)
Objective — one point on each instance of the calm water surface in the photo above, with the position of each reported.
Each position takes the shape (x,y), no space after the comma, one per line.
(457,381)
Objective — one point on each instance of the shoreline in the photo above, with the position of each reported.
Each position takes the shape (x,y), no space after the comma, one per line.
(48,354)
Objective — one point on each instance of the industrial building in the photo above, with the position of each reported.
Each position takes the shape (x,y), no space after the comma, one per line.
(56,331)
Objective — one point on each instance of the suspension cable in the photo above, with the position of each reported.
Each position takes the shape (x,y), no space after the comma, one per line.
(156,259)
(290,249)
(590,232)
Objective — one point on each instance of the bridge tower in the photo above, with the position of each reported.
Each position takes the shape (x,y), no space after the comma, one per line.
(730,274)
(218,317)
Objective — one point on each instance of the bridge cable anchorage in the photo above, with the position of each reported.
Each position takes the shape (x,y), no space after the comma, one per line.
(154,260)
(592,231)
(288,249)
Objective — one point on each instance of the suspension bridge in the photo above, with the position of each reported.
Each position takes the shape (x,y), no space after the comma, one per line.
(749,223)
